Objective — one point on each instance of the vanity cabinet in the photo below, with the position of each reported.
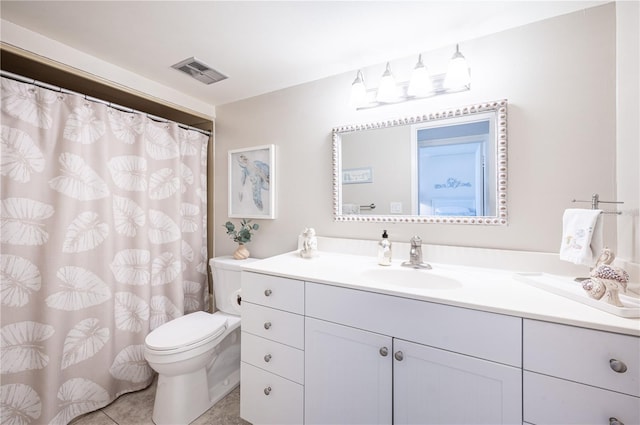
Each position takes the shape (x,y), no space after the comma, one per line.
(348,377)
(272,366)
(433,386)
(576,376)
(317,353)
(361,367)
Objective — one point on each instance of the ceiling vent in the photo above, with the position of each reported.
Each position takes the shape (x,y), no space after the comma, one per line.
(199,70)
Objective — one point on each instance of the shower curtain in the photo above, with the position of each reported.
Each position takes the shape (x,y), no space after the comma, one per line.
(103,238)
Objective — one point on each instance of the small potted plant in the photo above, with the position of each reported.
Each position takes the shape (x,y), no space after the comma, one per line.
(241,235)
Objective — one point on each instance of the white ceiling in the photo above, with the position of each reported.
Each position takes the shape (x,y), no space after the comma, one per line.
(263,46)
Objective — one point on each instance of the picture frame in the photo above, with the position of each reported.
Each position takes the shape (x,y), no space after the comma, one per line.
(252,182)
(357,175)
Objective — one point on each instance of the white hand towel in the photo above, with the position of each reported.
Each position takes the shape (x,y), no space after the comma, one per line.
(581,236)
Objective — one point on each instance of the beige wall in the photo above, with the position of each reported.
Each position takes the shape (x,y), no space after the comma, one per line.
(388,153)
(559,77)
(628,128)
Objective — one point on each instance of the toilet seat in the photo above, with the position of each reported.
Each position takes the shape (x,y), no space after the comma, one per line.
(186,332)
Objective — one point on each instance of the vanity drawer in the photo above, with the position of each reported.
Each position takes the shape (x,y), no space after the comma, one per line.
(276,325)
(553,401)
(476,333)
(266,398)
(273,291)
(582,355)
(274,357)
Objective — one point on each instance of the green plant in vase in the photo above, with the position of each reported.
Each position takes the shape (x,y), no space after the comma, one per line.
(241,235)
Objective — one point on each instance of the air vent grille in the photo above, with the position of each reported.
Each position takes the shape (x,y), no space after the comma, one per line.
(199,70)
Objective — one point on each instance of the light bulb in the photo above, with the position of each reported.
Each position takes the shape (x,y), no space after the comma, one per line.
(420,84)
(358,96)
(458,73)
(387,91)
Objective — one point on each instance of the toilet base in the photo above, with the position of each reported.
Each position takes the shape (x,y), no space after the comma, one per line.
(168,410)
(183,398)
(223,388)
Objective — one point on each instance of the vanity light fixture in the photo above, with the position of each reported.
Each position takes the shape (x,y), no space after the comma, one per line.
(421,85)
(358,96)
(388,91)
(458,73)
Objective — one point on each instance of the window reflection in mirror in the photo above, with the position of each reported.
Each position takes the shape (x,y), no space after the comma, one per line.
(450,167)
(442,167)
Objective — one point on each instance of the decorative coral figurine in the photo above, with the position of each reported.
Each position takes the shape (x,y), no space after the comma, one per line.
(606,280)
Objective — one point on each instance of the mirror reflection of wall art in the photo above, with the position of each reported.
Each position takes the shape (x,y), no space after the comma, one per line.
(252,182)
(357,175)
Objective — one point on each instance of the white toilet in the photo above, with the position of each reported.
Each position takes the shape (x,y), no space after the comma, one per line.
(197,356)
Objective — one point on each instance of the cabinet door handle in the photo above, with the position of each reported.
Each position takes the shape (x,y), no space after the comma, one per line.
(267,391)
(617,366)
(399,356)
(384,351)
(614,421)
(267,325)
(267,358)
(267,292)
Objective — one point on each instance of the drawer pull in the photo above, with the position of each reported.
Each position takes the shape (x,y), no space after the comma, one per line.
(267,391)
(614,421)
(267,292)
(617,366)
(384,351)
(399,356)
(267,325)
(267,358)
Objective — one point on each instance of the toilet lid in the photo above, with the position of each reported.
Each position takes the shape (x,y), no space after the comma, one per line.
(186,330)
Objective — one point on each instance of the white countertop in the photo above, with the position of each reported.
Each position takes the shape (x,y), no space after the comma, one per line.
(485,289)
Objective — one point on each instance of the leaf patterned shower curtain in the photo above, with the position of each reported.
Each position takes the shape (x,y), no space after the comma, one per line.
(103,231)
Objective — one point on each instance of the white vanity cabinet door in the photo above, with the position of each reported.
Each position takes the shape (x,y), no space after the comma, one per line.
(348,376)
(267,398)
(433,386)
(552,401)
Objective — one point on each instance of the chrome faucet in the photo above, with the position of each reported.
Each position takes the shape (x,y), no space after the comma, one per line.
(415,255)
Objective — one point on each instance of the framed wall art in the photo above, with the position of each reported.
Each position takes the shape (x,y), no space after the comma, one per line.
(252,182)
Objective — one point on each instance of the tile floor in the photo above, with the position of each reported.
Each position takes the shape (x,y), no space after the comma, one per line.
(136,409)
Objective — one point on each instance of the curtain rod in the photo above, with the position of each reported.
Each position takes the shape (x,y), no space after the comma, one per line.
(22,79)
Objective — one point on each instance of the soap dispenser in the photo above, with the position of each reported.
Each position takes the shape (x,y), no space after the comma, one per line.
(384,250)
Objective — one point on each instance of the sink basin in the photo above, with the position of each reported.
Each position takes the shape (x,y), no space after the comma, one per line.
(412,278)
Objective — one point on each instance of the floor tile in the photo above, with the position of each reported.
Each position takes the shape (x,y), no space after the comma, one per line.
(94,418)
(133,408)
(225,412)
(137,408)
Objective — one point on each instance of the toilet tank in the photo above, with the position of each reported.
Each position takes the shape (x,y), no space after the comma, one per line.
(226,282)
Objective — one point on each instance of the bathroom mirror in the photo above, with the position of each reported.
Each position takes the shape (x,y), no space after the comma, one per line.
(440,167)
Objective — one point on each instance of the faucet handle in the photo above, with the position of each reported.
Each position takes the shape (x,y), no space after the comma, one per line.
(416,241)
